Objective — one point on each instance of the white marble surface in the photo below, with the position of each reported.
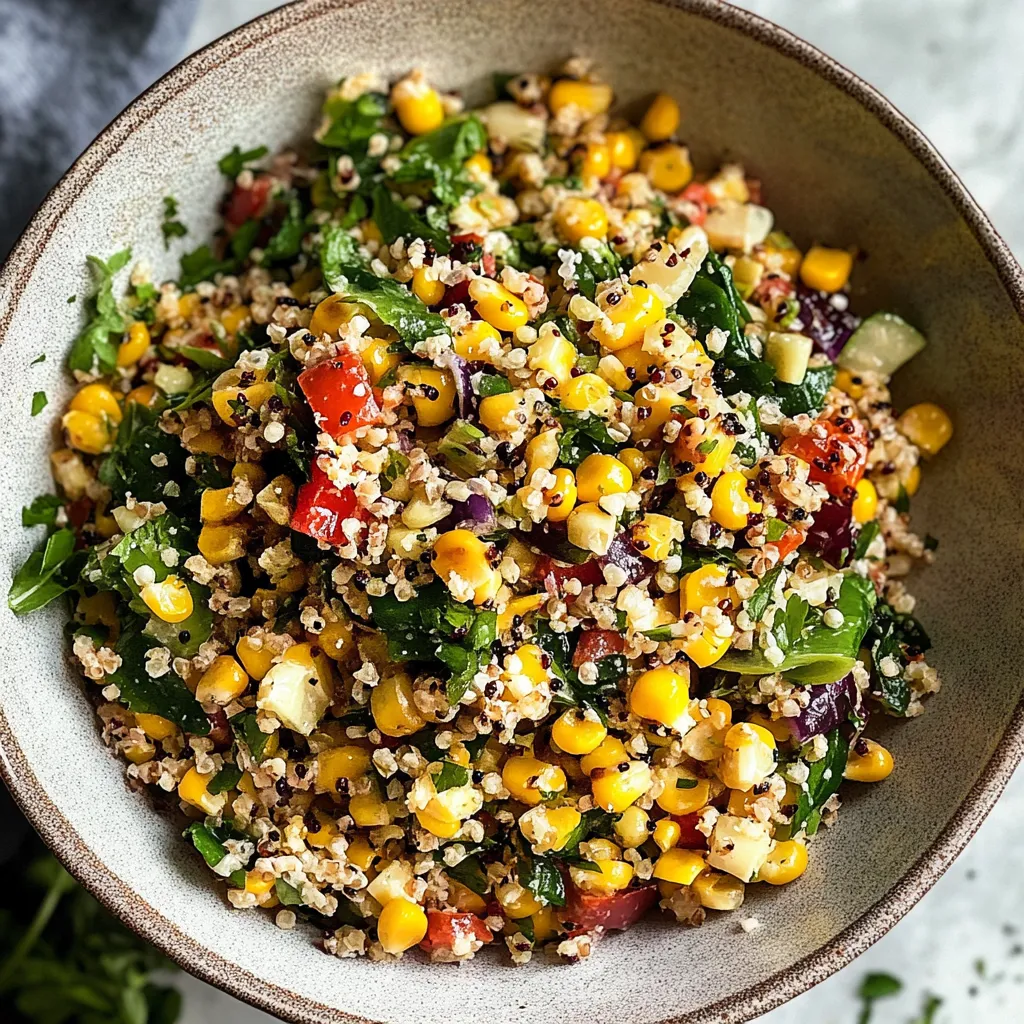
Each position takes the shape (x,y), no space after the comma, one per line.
(954,67)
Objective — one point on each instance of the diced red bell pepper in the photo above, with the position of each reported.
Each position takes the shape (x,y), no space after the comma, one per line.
(698,195)
(837,460)
(613,912)
(340,394)
(689,837)
(445,926)
(589,574)
(321,509)
(595,644)
(789,542)
(246,203)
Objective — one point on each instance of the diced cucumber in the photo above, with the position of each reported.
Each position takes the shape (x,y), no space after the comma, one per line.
(882,344)
(789,354)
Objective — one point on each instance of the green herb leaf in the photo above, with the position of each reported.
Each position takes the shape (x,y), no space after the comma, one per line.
(94,350)
(288,895)
(666,468)
(39,402)
(42,358)
(928,1010)
(202,265)
(823,779)
(232,164)
(203,839)
(470,873)
(286,242)
(582,434)
(902,502)
(809,395)
(451,776)
(227,778)
(493,384)
(775,529)
(707,447)
(892,640)
(170,226)
(42,511)
(439,157)
(757,603)
(40,580)
(868,532)
(876,986)
(245,728)
(353,122)
(542,877)
(682,783)
(396,220)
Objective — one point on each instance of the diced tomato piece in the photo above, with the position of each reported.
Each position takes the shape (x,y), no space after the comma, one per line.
(689,837)
(339,393)
(467,239)
(697,194)
(595,644)
(245,203)
(789,542)
(613,912)
(445,926)
(321,509)
(589,573)
(488,264)
(836,460)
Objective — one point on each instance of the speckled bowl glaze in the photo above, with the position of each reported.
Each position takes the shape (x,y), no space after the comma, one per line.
(838,164)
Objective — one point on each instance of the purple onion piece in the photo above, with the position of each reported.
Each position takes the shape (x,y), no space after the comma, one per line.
(831,533)
(460,370)
(476,513)
(830,705)
(828,327)
(622,554)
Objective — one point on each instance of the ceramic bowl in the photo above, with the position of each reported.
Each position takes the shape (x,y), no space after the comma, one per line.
(838,164)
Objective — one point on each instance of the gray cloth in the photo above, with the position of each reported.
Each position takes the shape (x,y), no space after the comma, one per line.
(67,68)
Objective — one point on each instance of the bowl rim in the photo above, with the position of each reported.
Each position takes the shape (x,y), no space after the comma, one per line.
(190,954)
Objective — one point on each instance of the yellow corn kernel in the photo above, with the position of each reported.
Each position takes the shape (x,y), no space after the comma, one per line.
(826,270)
(224,681)
(705,648)
(144,394)
(169,600)
(600,475)
(631,827)
(433,394)
(913,481)
(549,828)
(335,640)
(631,312)
(852,384)
(497,305)
(780,254)
(418,107)
(709,463)
(218,505)
(578,732)
(662,695)
(786,862)
(614,789)
(553,354)
(393,707)
(748,758)
(730,504)
(527,778)
(661,121)
(379,359)
(477,341)
(718,891)
(255,656)
(778,727)
(155,727)
(98,400)
(612,876)
(591,528)
(188,305)
(252,396)
(597,160)
(926,425)
(545,924)
(578,217)
(192,789)
(655,534)
(610,752)
(134,346)
(623,149)
(330,314)
(460,557)
(140,753)
(233,317)
(684,793)
(517,902)
(443,828)
(86,432)
(636,363)
(666,834)
(873,765)
(479,165)
(208,442)
(360,853)
(426,287)
(635,460)
(259,883)
(668,167)
(586,392)
(679,866)
(706,587)
(865,503)
(325,834)
(542,452)
(368,810)
(253,473)
(590,98)
(519,607)
(530,662)
(222,544)
(507,412)
(402,923)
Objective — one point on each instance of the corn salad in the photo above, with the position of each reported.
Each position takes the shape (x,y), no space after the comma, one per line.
(498,533)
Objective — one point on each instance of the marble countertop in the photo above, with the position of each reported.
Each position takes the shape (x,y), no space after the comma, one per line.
(953,67)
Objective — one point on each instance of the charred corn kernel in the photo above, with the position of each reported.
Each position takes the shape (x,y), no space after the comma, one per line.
(418,107)
(630,314)
(460,557)
(222,544)
(541,452)
(360,853)
(98,400)
(528,778)
(868,762)
(591,528)
(597,160)
(223,681)
(443,828)
(553,354)
(144,394)
(561,496)
(86,432)
(578,217)
(661,120)
(497,305)
(748,758)
(655,534)
(600,475)
(255,655)
(218,505)
(368,810)
(519,607)
(926,425)
(668,167)
(786,862)
(155,727)
(477,341)
(379,359)
(259,883)
(631,827)
(666,835)
(683,793)
(426,287)
(717,891)
(826,270)
(852,384)
(479,164)
(330,314)
(610,752)
(208,442)
(679,866)
(507,412)
(335,640)
(624,150)
(865,503)
(612,876)
(193,790)
(662,695)
(614,789)
(578,732)
(402,923)
(169,599)
(517,902)
(587,391)
(393,707)
(913,481)
(731,505)
(707,587)
(590,98)
(233,317)
(433,394)
(134,346)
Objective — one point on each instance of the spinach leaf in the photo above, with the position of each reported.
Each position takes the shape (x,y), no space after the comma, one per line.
(876,986)
(287,894)
(42,511)
(440,155)
(396,220)
(808,396)
(493,384)
(227,778)
(597,264)
(892,640)
(823,779)
(790,626)
(94,349)
(594,822)
(868,532)
(541,876)
(206,842)
(245,728)
(353,122)
(202,264)
(286,242)
(129,466)
(470,873)
(757,603)
(710,303)
(451,776)
(48,572)
(156,539)
(232,164)
(170,226)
